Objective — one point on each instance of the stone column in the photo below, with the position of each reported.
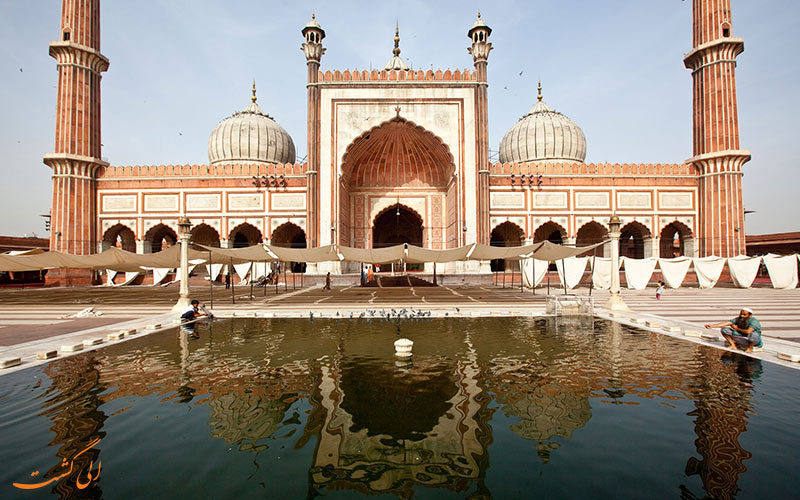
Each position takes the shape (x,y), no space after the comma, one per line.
(184,229)
(615,302)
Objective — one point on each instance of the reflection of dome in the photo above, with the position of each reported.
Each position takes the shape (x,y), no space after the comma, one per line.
(250,136)
(543,134)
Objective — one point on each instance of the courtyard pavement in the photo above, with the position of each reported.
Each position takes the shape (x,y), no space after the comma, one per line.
(35,321)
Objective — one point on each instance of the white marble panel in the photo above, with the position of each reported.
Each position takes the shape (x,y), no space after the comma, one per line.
(550,200)
(161,203)
(592,200)
(288,201)
(507,200)
(202,202)
(245,201)
(119,203)
(634,200)
(675,200)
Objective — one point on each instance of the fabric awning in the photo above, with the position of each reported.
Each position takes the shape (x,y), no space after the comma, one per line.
(418,255)
(255,253)
(320,254)
(373,255)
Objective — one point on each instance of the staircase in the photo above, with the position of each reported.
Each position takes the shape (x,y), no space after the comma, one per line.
(398,281)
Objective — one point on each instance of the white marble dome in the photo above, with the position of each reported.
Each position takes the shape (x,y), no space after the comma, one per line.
(543,135)
(250,136)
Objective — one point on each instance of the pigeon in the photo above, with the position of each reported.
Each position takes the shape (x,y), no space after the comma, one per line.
(361,315)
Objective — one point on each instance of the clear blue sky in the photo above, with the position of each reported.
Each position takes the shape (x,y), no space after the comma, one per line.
(615,67)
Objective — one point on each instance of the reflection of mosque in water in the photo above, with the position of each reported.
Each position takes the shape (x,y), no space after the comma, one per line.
(381,428)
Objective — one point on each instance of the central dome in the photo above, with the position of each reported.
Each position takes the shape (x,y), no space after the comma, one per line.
(543,134)
(250,136)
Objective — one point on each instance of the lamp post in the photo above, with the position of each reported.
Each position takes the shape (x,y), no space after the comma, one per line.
(184,233)
(615,302)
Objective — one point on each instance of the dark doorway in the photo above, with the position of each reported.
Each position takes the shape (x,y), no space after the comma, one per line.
(395,226)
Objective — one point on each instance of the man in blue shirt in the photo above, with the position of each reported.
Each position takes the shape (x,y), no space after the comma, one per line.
(744,330)
(193,312)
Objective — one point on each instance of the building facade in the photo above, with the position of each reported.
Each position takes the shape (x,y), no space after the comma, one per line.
(400,156)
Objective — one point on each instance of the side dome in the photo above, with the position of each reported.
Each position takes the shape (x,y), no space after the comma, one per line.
(250,136)
(543,134)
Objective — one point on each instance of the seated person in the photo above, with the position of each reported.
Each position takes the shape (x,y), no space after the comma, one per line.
(744,330)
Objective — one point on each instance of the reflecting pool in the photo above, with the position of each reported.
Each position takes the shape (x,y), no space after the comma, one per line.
(487,408)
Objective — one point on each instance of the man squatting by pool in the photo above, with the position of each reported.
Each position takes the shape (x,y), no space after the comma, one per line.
(744,330)
(193,312)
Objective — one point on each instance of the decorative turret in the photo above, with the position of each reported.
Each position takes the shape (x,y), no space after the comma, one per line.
(396,62)
(479,33)
(314,34)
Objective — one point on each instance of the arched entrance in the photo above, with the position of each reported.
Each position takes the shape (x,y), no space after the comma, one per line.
(676,240)
(245,235)
(590,234)
(397,225)
(395,160)
(506,234)
(119,236)
(160,237)
(631,240)
(203,234)
(290,235)
(550,231)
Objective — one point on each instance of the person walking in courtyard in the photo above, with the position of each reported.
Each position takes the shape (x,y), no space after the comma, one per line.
(227,279)
(744,330)
(659,290)
(327,286)
(370,274)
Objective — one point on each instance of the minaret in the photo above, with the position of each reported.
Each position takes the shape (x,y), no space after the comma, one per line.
(716,129)
(479,34)
(77,157)
(313,50)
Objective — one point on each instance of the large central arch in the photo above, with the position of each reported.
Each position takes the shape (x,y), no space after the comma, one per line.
(398,164)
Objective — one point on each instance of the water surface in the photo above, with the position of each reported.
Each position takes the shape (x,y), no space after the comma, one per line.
(493,407)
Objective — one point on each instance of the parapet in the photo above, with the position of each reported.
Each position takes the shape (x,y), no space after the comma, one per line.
(397,76)
(217,170)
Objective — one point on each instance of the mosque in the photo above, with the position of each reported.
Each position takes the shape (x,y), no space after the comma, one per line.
(398,156)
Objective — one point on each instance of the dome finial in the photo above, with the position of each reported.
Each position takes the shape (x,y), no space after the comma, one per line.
(396,50)
(254,91)
(540,90)
(479,13)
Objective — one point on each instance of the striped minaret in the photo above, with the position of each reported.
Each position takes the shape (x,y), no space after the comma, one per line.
(480,48)
(77,157)
(313,50)
(716,128)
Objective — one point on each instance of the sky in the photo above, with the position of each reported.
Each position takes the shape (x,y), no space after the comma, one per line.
(615,67)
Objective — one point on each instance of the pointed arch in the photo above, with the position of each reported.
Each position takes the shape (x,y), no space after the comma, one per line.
(396,153)
(120,236)
(245,235)
(506,234)
(631,240)
(395,225)
(160,237)
(203,234)
(290,235)
(550,231)
(591,233)
(676,240)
